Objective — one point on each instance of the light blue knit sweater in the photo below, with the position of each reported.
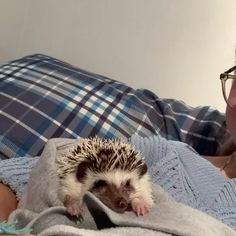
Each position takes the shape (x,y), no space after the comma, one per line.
(175,166)
(188,177)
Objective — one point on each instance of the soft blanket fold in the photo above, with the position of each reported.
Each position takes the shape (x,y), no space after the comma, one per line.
(167,217)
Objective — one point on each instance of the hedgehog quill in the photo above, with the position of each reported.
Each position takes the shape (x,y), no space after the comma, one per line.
(112,170)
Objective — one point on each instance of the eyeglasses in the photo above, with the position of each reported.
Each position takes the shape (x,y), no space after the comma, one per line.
(227,79)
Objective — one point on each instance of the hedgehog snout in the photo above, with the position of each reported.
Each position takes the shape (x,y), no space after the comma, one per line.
(122,203)
(115,197)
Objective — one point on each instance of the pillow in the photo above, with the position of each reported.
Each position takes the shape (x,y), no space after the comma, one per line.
(43,98)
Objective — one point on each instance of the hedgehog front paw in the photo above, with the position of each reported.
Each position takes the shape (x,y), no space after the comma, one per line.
(73,206)
(140,207)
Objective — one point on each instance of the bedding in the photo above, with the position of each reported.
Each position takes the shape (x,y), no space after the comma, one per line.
(42,97)
(166,218)
(175,166)
(177,172)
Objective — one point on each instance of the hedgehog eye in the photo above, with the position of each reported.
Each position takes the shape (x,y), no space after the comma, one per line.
(100,184)
(127,184)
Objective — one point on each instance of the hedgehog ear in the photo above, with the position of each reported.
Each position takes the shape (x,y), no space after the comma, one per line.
(142,169)
(82,170)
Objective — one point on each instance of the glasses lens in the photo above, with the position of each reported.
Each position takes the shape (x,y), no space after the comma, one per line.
(227,88)
(230,91)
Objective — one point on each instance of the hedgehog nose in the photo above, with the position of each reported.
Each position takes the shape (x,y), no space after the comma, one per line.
(122,204)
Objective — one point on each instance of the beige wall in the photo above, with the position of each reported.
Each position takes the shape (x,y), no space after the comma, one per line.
(176,48)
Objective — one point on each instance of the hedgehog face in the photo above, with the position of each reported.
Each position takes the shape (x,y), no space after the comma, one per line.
(114,188)
(115,197)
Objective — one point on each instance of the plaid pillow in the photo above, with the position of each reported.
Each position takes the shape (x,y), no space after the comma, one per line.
(42,98)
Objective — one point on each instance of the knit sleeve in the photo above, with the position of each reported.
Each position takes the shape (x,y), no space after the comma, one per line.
(15,173)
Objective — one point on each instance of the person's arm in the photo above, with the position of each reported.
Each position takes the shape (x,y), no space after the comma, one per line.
(15,172)
(8,201)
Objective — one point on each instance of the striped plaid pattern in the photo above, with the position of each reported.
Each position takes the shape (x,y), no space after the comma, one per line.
(42,98)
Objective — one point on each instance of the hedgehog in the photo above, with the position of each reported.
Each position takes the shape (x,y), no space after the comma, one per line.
(112,170)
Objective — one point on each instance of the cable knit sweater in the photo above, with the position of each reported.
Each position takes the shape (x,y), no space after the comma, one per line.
(185,175)
(188,177)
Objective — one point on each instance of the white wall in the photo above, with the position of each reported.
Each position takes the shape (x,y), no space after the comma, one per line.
(176,48)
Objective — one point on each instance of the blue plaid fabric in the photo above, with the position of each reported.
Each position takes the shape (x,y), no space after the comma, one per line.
(43,98)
